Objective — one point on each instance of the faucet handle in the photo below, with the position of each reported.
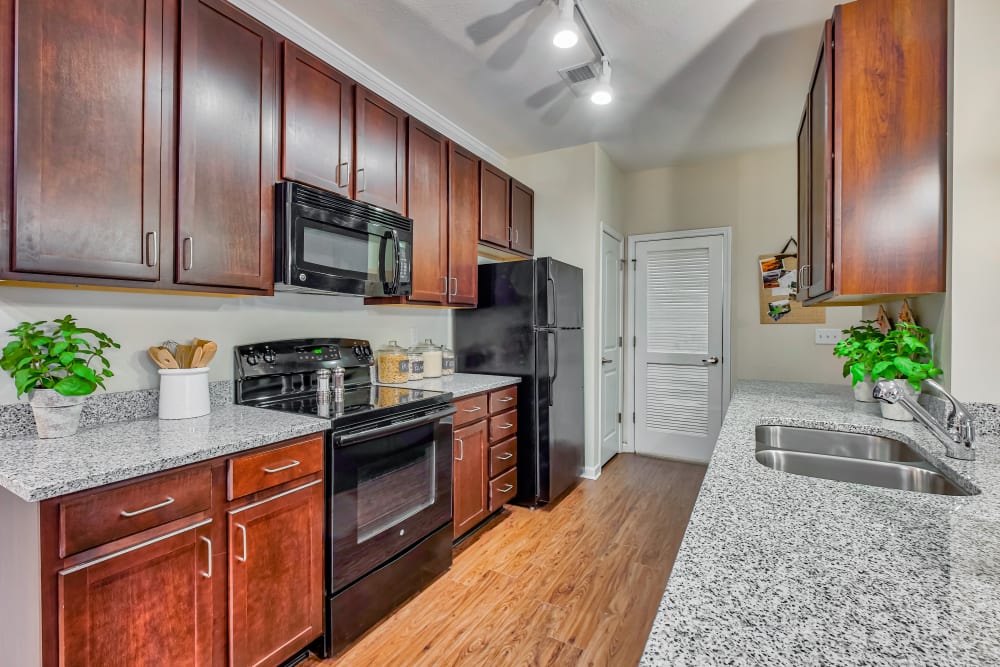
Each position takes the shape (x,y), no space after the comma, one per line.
(887,391)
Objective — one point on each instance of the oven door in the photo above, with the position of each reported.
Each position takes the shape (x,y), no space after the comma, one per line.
(391,488)
(369,259)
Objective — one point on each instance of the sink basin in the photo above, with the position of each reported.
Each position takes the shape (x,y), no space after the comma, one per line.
(851,457)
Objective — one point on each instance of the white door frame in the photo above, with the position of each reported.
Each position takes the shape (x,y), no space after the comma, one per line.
(616,235)
(727,356)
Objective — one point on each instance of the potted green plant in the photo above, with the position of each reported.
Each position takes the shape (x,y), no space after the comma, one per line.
(51,362)
(860,353)
(904,354)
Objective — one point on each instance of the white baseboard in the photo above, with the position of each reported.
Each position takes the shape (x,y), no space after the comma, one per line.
(590,472)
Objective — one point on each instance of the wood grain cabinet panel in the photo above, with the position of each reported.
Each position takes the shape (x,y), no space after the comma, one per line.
(257,471)
(276,562)
(470,501)
(380,158)
(503,425)
(819,275)
(494,206)
(317,137)
(471,408)
(522,218)
(503,399)
(503,457)
(427,205)
(151,605)
(87,175)
(225,216)
(503,489)
(463,226)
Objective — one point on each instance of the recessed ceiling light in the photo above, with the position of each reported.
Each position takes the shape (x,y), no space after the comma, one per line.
(603,93)
(566,35)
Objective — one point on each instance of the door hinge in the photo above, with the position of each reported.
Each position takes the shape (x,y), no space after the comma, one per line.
(633,341)
(633,417)
(619,341)
(621,264)
(619,418)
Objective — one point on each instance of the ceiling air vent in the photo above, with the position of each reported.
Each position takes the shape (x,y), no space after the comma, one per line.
(580,77)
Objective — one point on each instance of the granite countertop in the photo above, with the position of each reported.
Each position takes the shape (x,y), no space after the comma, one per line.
(463,384)
(36,469)
(781,569)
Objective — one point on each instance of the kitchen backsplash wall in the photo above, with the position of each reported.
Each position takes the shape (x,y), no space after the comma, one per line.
(140,320)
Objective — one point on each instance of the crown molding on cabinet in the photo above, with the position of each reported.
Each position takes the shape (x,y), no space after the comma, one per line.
(291,26)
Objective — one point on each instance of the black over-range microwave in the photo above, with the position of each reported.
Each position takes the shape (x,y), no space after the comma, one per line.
(328,244)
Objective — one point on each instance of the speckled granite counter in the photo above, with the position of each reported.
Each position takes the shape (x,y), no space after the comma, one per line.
(36,469)
(780,569)
(463,384)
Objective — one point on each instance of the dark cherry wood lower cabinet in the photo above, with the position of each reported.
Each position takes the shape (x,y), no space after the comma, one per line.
(151,605)
(470,502)
(276,576)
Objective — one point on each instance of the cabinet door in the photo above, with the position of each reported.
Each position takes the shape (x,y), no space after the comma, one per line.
(522,218)
(820,274)
(470,486)
(225,212)
(494,206)
(276,570)
(804,198)
(427,202)
(463,226)
(151,605)
(88,135)
(381,152)
(317,129)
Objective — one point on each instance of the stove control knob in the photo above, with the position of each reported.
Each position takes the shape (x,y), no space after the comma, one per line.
(268,355)
(252,357)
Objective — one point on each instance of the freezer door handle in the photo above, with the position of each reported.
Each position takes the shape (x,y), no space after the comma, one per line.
(554,370)
(552,302)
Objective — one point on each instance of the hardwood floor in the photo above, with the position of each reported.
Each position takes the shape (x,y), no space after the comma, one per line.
(577,584)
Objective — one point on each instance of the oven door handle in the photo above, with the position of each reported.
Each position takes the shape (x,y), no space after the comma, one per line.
(372,433)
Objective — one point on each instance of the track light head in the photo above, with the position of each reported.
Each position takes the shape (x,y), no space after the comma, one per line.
(603,94)
(566,35)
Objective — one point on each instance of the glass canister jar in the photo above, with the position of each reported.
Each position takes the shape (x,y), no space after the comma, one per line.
(393,364)
(416,357)
(447,360)
(432,358)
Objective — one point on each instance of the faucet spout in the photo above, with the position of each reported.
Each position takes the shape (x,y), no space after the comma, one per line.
(958,434)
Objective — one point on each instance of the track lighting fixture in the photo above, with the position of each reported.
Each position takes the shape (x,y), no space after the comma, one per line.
(602,91)
(566,35)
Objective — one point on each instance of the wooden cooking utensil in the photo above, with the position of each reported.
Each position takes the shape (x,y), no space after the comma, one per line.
(208,351)
(183,355)
(196,357)
(161,357)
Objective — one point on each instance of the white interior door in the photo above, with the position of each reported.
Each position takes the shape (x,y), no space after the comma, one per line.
(612,257)
(679,308)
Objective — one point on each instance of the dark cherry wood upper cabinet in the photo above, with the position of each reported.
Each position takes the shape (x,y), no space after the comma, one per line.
(819,272)
(226,161)
(317,122)
(804,195)
(522,218)
(149,605)
(276,581)
(87,176)
(427,203)
(380,152)
(494,206)
(463,226)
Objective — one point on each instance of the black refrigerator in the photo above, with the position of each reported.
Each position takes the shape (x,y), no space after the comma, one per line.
(529,323)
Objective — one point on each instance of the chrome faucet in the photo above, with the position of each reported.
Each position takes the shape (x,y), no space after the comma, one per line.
(958,433)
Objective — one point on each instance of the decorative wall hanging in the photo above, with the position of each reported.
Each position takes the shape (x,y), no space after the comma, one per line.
(777,287)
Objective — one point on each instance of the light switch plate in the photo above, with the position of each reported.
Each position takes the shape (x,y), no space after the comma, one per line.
(828,336)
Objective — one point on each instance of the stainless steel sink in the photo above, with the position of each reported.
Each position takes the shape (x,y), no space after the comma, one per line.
(851,457)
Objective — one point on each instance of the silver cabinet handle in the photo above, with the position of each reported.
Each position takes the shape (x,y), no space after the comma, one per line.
(711,361)
(454,291)
(506,488)
(243,529)
(362,180)
(444,292)
(804,283)
(461,444)
(516,235)
(505,457)
(280,468)
(506,399)
(475,409)
(188,253)
(208,574)
(127,514)
(339,179)
(506,426)
(152,249)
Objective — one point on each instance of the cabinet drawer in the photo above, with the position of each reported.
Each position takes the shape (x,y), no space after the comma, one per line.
(253,472)
(503,399)
(503,489)
(503,425)
(503,457)
(470,409)
(104,516)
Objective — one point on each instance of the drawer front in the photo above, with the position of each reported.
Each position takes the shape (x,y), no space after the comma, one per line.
(471,409)
(101,517)
(503,426)
(503,457)
(503,399)
(503,489)
(254,472)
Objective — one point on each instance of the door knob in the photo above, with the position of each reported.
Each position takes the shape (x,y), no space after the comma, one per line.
(605,361)
(711,361)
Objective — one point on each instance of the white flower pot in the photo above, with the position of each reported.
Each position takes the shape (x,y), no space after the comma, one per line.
(56,416)
(863,391)
(896,411)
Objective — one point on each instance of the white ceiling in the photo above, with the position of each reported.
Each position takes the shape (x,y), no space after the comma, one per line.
(691,77)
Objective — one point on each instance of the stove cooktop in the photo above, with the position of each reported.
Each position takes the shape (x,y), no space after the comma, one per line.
(360,403)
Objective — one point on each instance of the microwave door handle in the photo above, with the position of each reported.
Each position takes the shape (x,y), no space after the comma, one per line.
(381,262)
(398,261)
(372,433)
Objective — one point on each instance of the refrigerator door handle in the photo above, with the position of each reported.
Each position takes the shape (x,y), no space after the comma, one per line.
(554,372)
(552,303)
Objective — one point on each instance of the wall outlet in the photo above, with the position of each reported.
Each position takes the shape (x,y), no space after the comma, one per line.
(828,336)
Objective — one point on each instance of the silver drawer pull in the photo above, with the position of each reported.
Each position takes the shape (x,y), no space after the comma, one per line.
(505,457)
(279,469)
(475,409)
(243,529)
(506,426)
(461,444)
(508,399)
(127,514)
(208,574)
(506,488)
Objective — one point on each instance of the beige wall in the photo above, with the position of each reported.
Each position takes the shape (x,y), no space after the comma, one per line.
(140,320)
(755,194)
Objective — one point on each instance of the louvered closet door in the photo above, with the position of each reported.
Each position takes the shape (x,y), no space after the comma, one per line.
(679,327)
